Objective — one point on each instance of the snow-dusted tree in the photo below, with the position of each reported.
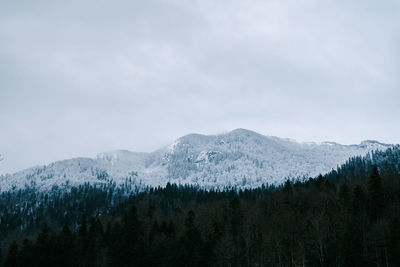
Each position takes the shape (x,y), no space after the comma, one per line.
(1,157)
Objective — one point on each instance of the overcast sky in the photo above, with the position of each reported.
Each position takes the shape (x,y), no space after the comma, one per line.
(82,77)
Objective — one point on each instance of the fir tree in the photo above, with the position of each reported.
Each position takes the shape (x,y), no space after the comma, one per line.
(12,256)
(375,191)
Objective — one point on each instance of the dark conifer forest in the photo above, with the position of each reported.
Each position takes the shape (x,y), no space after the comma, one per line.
(348,217)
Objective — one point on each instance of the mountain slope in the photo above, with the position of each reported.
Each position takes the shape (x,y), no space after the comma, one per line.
(239,158)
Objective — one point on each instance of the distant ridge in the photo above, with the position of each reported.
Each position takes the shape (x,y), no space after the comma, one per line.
(240,158)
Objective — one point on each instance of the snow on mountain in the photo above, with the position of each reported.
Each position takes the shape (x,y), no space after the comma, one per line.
(239,158)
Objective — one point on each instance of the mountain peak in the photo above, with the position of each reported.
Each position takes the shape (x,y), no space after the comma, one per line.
(374,145)
(193,138)
(242,131)
(366,142)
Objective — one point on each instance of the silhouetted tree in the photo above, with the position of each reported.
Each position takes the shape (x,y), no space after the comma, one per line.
(375,194)
(12,256)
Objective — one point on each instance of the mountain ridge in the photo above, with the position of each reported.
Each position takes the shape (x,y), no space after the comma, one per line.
(241,157)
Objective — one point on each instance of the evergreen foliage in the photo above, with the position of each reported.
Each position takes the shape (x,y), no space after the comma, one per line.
(349,217)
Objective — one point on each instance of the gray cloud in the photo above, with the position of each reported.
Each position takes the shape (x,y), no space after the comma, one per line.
(84,77)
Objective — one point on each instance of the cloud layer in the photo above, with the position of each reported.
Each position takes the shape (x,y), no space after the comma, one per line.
(84,77)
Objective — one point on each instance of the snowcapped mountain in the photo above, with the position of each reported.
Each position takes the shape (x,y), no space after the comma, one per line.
(239,158)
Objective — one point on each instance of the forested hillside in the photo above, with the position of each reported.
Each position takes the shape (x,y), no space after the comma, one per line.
(240,158)
(349,217)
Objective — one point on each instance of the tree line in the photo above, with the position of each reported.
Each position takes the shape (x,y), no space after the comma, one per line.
(349,217)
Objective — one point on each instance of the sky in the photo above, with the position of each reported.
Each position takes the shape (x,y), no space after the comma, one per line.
(82,77)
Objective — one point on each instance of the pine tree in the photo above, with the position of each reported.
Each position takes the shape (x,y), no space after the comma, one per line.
(359,201)
(236,232)
(43,246)
(376,202)
(82,242)
(65,247)
(12,256)
(191,242)
(287,188)
(132,240)
(26,254)
(352,248)
(344,194)
(394,242)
